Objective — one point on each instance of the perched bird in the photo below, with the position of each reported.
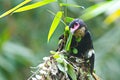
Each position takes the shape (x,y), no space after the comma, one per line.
(81,41)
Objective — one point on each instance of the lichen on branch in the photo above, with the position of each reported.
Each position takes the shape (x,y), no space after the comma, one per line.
(60,66)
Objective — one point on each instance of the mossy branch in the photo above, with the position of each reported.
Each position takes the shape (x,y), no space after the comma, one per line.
(63,67)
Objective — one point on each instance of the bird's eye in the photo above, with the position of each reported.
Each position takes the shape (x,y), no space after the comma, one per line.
(75,24)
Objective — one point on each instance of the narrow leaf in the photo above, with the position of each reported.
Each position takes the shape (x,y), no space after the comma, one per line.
(96,10)
(54,15)
(71,72)
(13,9)
(67,46)
(55,23)
(112,17)
(72,5)
(61,67)
(35,5)
(69,19)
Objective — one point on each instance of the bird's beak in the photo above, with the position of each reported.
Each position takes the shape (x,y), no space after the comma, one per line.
(72,30)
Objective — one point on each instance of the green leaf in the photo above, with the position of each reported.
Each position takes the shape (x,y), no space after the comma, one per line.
(96,9)
(61,67)
(67,46)
(35,5)
(65,67)
(55,23)
(6,64)
(63,64)
(20,53)
(69,19)
(72,5)
(67,29)
(75,51)
(71,72)
(54,15)
(60,59)
(53,52)
(56,55)
(13,9)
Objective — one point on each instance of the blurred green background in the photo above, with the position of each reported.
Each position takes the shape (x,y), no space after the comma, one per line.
(23,36)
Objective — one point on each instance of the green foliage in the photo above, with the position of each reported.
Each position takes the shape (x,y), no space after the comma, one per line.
(27,32)
(18,8)
(13,9)
(102,7)
(55,23)
(65,66)
(71,72)
(95,10)
(69,19)
(35,5)
(13,55)
(72,5)
(67,46)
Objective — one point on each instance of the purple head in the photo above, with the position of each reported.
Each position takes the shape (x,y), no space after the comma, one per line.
(76,24)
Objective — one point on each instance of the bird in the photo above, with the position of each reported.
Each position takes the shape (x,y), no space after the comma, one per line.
(81,41)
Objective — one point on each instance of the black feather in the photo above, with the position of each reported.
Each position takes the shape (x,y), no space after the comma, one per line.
(83,47)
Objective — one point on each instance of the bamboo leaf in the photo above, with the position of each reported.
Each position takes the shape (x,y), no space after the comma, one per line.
(55,23)
(61,67)
(72,5)
(69,19)
(54,15)
(96,9)
(71,72)
(112,17)
(35,5)
(13,9)
(67,46)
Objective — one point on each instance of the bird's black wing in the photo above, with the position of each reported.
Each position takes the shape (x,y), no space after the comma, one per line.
(85,49)
(90,53)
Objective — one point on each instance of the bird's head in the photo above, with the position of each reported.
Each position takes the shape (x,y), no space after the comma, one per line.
(78,27)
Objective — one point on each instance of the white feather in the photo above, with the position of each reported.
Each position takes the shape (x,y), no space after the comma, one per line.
(90,53)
